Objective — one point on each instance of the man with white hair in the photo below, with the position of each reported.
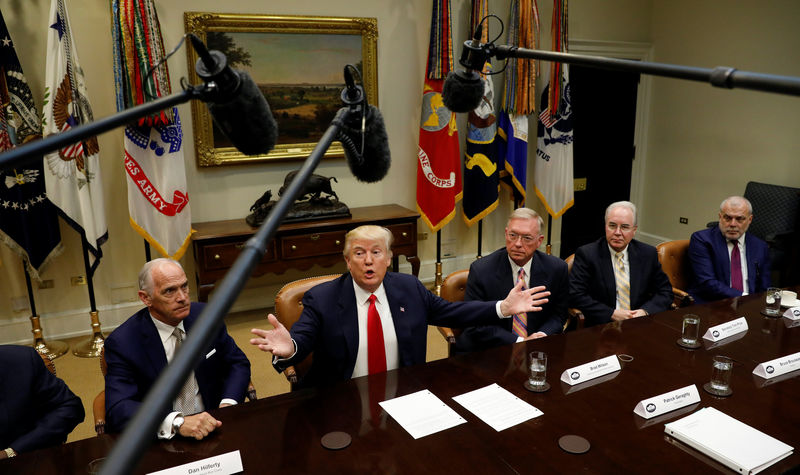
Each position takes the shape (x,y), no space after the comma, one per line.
(725,260)
(617,277)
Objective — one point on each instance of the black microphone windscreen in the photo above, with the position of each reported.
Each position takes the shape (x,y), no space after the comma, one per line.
(373,164)
(245,118)
(462,91)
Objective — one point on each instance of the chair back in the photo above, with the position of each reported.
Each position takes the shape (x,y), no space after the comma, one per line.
(48,362)
(674,259)
(575,318)
(289,307)
(455,285)
(775,209)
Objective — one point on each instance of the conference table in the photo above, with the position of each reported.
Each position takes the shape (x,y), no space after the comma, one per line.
(282,434)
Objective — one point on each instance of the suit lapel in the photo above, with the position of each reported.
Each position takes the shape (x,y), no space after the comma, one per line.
(635,273)
(504,279)
(151,343)
(752,273)
(607,271)
(347,315)
(402,331)
(724,259)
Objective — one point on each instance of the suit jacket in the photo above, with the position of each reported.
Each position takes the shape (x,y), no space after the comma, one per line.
(711,265)
(328,326)
(490,279)
(593,289)
(37,409)
(135,357)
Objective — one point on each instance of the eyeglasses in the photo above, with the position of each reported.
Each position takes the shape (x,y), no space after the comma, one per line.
(526,238)
(623,227)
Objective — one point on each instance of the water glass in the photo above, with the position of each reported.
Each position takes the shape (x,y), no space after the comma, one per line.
(721,371)
(690,331)
(773,301)
(537,364)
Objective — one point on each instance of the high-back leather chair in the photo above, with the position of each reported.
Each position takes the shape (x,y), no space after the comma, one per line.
(48,363)
(575,318)
(288,308)
(674,259)
(453,288)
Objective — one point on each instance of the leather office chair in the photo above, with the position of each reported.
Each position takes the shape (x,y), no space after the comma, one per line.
(575,318)
(453,288)
(48,363)
(674,259)
(288,307)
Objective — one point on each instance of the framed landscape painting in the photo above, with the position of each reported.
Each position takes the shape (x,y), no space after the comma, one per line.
(297,63)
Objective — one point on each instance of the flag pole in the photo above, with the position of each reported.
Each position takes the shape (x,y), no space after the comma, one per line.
(54,349)
(146,251)
(480,238)
(437,283)
(549,247)
(91,347)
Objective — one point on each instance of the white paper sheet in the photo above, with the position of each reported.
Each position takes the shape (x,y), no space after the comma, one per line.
(422,413)
(497,407)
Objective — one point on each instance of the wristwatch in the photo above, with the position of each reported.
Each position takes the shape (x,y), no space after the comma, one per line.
(176,424)
(10,452)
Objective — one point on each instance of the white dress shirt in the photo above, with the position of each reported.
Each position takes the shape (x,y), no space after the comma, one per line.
(389,336)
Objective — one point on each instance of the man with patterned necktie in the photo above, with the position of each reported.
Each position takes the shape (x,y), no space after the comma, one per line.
(618,277)
(369,320)
(725,260)
(139,349)
(491,277)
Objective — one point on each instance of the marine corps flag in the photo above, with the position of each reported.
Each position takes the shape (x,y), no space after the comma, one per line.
(28,221)
(158,200)
(72,174)
(439,164)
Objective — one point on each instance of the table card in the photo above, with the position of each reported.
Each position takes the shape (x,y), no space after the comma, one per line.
(727,329)
(778,366)
(792,313)
(594,369)
(667,402)
(223,464)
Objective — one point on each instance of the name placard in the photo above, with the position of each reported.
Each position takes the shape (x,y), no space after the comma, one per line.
(792,313)
(667,402)
(727,329)
(224,464)
(585,372)
(778,366)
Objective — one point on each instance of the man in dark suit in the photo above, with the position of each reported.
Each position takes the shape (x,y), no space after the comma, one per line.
(618,278)
(139,349)
(493,276)
(726,261)
(369,321)
(37,409)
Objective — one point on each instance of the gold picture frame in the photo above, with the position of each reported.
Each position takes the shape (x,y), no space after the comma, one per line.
(275,49)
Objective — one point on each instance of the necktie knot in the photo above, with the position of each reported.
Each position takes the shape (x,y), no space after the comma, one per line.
(178,334)
(372,298)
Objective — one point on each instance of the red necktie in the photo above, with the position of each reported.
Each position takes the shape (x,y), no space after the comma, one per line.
(376,353)
(736,267)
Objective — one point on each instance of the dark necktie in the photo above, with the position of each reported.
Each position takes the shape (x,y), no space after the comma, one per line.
(736,267)
(376,352)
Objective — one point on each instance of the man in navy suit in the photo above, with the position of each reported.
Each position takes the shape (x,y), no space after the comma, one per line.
(618,278)
(369,321)
(37,409)
(493,276)
(139,349)
(717,271)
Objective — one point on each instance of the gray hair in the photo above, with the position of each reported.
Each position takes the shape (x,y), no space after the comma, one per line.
(369,232)
(526,213)
(623,204)
(146,274)
(731,199)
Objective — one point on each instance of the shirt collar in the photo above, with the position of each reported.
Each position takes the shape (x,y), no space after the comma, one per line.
(165,330)
(362,295)
(515,268)
(624,252)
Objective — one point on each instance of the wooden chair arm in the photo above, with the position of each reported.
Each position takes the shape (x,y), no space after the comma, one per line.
(448,335)
(251,391)
(291,375)
(681,298)
(575,319)
(99,413)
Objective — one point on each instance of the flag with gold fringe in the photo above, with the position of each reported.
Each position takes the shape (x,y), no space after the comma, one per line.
(439,165)
(28,220)
(481,174)
(158,200)
(518,99)
(553,176)
(72,174)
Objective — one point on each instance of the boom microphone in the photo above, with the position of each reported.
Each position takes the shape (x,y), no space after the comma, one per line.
(237,105)
(365,142)
(463,90)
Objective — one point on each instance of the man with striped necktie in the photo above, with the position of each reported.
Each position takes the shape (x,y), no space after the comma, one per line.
(618,277)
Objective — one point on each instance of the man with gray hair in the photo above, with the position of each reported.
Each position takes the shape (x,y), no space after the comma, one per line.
(725,260)
(493,276)
(139,349)
(618,277)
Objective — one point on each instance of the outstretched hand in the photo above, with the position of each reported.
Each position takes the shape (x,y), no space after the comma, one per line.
(519,300)
(276,341)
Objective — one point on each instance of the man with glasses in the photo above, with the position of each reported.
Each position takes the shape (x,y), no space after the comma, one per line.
(493,276)
(725,260)
(369,321)
(617,277)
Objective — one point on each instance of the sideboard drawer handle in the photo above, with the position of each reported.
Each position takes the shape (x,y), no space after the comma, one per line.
(314,237)
(294,248)
(240,245)
(405,234)
(216,257)
(338,242)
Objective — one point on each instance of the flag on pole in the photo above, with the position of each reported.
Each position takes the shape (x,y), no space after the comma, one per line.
(481,174)
(553,177)
(28,221)
(158,199)
(72,174)
(439,164)
(512,132)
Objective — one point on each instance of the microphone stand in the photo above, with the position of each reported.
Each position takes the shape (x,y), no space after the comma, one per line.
(142,428)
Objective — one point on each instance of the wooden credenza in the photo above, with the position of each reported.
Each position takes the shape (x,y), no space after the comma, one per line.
(297,245)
